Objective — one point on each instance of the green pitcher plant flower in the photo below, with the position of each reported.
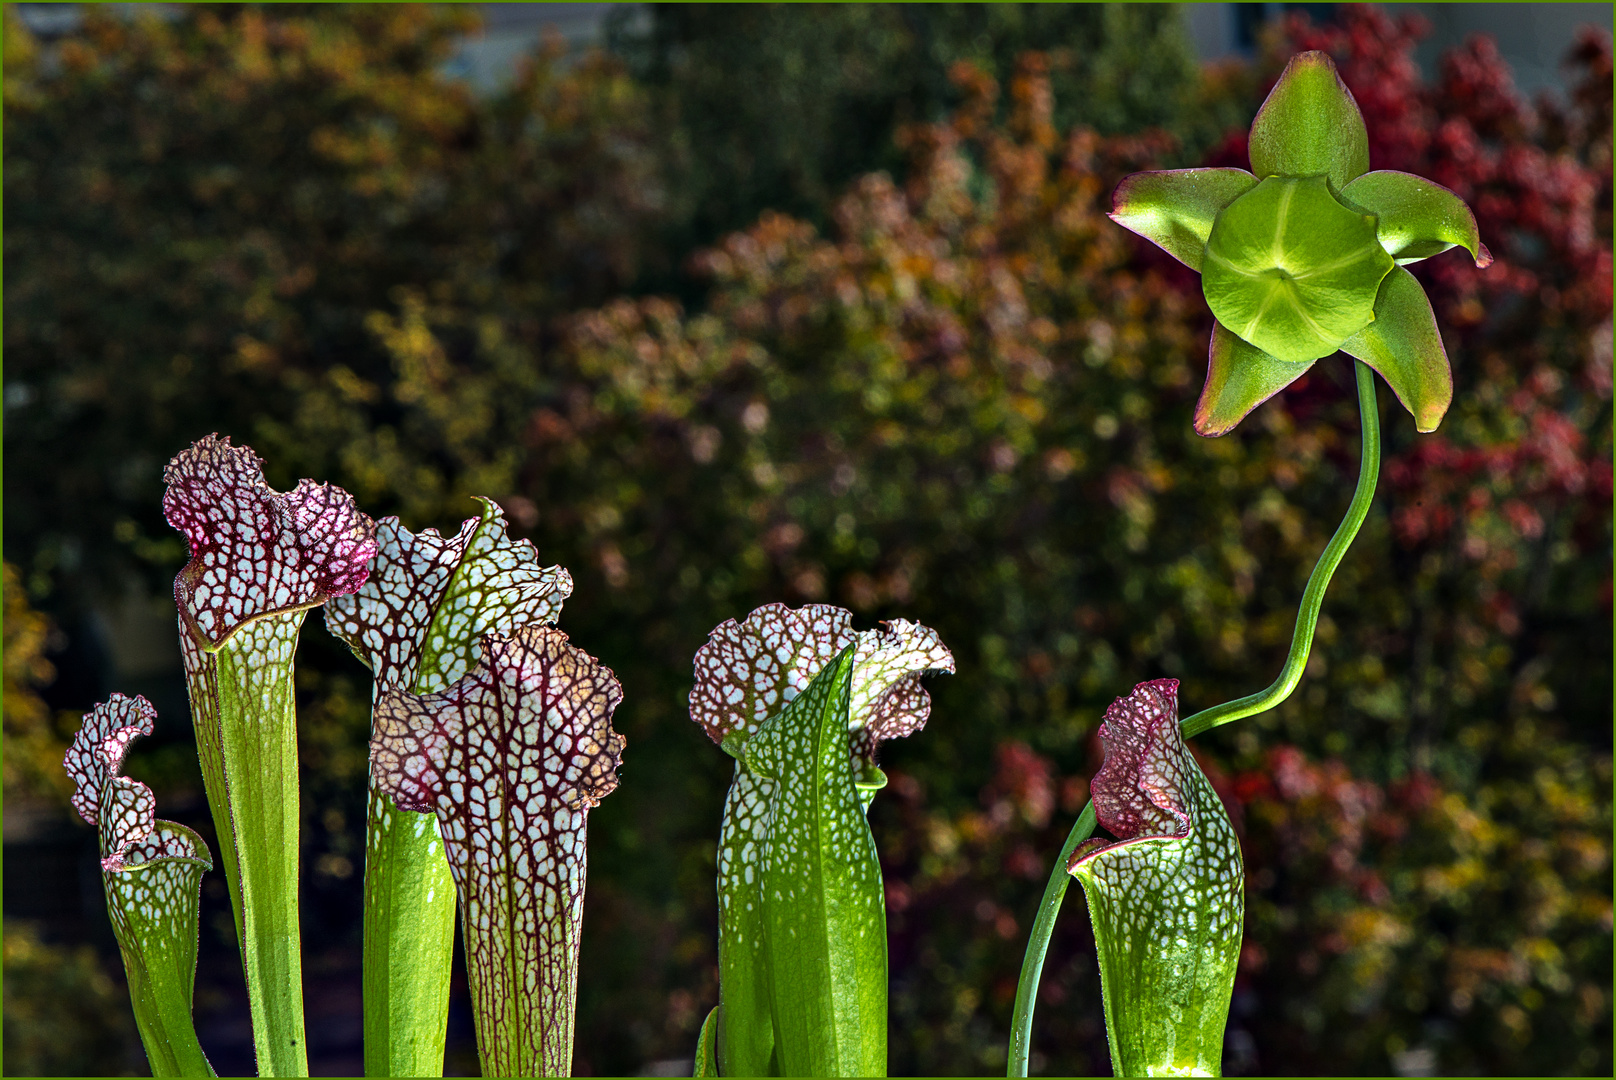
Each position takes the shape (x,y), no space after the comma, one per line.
(510,759)
(803,702)
(152,873)
(260,559)
(1167,899)
(1300,257)
(1305,254)
(416,623)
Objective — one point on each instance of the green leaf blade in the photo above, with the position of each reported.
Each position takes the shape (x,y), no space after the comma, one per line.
(408,941)
(706,1063)
(1416,217)
(822,881)
(1404,345)
(1310,125)
(1174,208)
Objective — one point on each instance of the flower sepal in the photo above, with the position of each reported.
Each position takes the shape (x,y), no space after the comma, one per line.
(1310,126)
(1416,218)
(1405,347)
(1174,208)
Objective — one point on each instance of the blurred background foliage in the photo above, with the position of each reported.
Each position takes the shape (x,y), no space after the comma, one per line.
(778,305)
(849,75)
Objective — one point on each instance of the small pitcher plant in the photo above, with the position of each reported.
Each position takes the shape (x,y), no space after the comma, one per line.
(152,871)
(259,561)
(510,759)
(1167,897)
(802,701)
(491,736)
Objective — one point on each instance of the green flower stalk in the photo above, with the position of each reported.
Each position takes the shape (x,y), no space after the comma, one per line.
(510,759)
(803,702)
(416,624)
(1307,617)
(1300,257)
(1304,255)
(152,872)
(1167,900)
(260,560)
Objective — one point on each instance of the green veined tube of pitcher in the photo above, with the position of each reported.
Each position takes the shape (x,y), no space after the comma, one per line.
(803,702)
(510,759)
(260,559)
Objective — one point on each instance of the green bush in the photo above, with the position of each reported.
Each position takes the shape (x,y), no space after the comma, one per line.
(65,1015)
(207,214)
(726,78)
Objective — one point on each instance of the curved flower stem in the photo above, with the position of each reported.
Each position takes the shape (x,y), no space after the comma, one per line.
(1307,619)
(1032,965)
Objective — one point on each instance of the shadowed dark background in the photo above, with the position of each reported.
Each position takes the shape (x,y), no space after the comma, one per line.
(735,304)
